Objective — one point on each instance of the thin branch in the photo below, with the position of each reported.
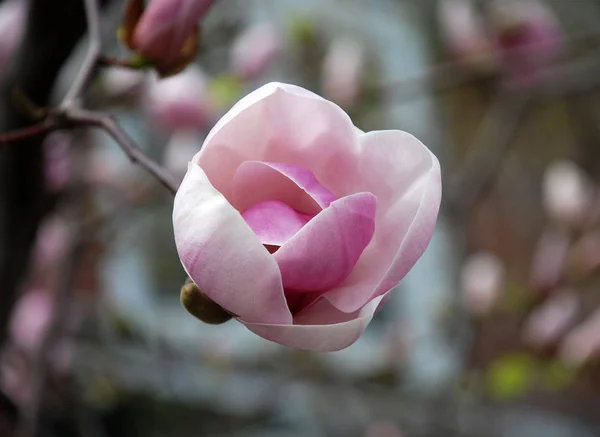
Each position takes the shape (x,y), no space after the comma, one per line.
(137,156)
(88,67)
(28,132)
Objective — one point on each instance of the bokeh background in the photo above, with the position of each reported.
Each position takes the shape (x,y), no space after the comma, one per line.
(495,332)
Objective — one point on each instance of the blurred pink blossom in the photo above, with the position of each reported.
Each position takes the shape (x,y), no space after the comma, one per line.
(464,34)
(108,168)
(254,50)
(12,23)
(548,322)
(182,146)
(50,244)
(583,342)
(528,36)
(549,258)
(481,281)
(383,428)
(30,318)
(567,193)
(57,148)
(119,82)
(181,102)
(343,71)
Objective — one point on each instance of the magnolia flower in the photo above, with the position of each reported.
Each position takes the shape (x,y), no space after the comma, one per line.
(464,34)
(547,323)
(166,32)
(30,319)
(528,36)
(181,102)
(567,193)
(254,50)
(481,281)
(343,70)
(298,223)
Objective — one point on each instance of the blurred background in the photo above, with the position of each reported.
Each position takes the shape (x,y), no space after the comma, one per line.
(495,332)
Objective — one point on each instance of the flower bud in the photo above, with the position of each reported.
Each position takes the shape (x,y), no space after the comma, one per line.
(567,193)
(548,322)
(481,280)
(200,306)
(165,33)
(254,50)
(343,71)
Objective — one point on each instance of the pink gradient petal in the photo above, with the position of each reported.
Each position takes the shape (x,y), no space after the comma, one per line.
(223,256)
(325,337)
(256,181)
(405,177)
(274,222)
(285,124)
(324,252)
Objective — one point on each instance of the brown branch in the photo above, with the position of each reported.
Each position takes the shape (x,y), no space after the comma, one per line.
(42,128)
(80,117)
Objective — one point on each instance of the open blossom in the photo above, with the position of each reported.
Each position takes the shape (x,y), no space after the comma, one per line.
(166,32)
(254,50)
(343,71)
(298,223)
(567,193)
(481,280)
(528,37)
(464,34)
(547,323)
(181,102)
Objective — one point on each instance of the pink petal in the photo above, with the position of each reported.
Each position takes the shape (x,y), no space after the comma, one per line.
(256,181)
(324,252)
(285,124)
(223,256)
(405,177)
(325,337)
(274,222)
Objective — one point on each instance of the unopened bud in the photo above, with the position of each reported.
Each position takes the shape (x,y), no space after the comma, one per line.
(200,306)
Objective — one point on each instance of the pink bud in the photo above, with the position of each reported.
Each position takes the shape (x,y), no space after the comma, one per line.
(165,27)
(464,34)
(343,71)
(549,259)
(30,318)
(567,193)
(182,146)
(12,23)
(254,50)
(481,278)
(528,36)
(548,322)
(181,102)
(583,342)
(118,82)
(57,147)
